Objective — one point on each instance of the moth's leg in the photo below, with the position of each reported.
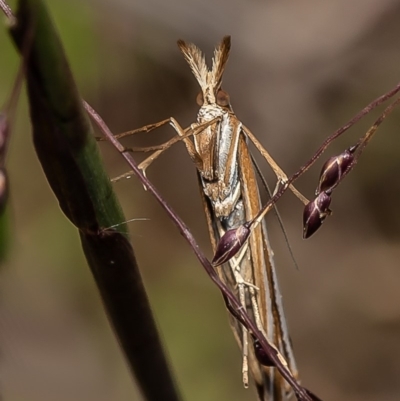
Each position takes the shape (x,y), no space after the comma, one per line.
(146,128)
(162,146)
(158,149)
(245,339)
(256,310)
(257,318)
(242,285)
(282,177)
(183,135)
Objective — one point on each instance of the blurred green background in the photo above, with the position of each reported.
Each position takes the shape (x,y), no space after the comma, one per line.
(298,70)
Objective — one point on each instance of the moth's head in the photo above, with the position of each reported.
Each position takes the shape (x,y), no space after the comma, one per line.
(210,80)
(221,98)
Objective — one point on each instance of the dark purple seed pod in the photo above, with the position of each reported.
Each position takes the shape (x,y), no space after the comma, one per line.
(4,133)
(3,189)
(315,212)
(261,355)
(332,171)
(230,244)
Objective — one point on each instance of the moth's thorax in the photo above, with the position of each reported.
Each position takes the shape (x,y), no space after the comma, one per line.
(208,112)
(214,144)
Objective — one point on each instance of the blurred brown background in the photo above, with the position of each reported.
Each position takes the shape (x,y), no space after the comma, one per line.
(298,70)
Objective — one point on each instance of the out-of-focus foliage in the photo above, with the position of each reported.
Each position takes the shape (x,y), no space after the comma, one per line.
(68,152)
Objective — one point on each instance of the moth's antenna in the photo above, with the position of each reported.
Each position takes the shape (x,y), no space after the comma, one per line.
(276,211)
